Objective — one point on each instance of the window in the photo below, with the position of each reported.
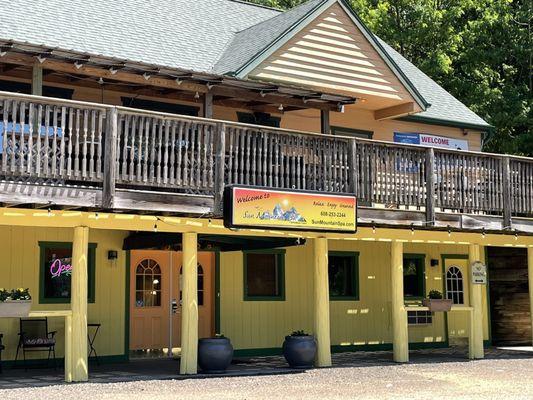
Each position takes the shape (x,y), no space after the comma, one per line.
(357,133)
(160,106)
(264,275)
(258,118)
(148,284)
(413,275)
(419,317)
(56,269)
(343,274)
(454,285)
(200,285)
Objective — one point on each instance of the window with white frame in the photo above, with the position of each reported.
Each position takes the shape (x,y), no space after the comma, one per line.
(455,285)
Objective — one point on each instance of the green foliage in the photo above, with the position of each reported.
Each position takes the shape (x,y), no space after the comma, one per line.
(14,294)
(299,333)
(481,51)
(435,295)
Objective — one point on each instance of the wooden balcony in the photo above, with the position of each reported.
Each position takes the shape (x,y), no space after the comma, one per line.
(66,154)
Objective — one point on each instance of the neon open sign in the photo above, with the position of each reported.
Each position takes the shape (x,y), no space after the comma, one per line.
(57,268)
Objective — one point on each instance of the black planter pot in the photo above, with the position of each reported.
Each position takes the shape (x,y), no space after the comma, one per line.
(214,355)
(300,351)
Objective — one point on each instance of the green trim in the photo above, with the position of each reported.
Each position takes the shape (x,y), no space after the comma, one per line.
(126,354)
(280,264)
(217,292)
(355,256)
(421,276)
(60,361)
(487,288)
(91,272)
(442,122)
(351,132)
(276,351)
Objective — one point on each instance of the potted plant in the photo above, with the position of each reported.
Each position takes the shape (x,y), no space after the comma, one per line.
(435,302)
(299,349)
(215,354)
(15,303)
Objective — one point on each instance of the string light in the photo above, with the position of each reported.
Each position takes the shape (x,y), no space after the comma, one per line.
(483,233)
(412,229)
(179,81)
(373,227)
(49,212)
(449,231)
(197,95)
(515,234)
(101,81)
(155,227)
(146,76)
(280,107)
(96,215)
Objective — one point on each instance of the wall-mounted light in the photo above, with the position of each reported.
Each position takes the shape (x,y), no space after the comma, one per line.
(434,262)
(280,108)
(112,255)
(146,76)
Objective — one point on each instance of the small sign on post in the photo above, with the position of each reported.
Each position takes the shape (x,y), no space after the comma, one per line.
(478,273)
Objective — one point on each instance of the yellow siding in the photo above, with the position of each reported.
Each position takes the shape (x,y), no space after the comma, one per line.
(263,324)
(333,55)
(20,268)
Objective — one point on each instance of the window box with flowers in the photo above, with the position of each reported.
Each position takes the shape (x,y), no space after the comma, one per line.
(15,303)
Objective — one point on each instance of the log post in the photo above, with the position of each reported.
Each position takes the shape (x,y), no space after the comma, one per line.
(208,105)
(37,79)
(79,288)
(110,158)
(430,187)
(321,302)
(324,122)
(507,206)
(476,302)
(400,334)
(189,308)
(219,167)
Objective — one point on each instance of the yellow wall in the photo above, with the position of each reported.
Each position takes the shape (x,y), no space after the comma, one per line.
(20,251)
(263,324)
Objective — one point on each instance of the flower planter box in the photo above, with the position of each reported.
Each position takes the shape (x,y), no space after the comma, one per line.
(15,308)
(437,304)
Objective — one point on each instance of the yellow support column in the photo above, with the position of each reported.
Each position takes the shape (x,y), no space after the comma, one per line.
(530,275)
(476,302)
(78,344)
(321,303)
(400,334)
(189,308)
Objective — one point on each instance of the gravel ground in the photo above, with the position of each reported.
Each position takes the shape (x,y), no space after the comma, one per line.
(482,379)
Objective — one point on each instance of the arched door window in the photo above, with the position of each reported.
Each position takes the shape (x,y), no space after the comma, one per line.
(454,285)
(148,284)
(200,285)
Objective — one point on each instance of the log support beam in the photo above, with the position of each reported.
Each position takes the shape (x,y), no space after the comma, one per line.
(189,310)
(78,362)
(530,277)
(321,302)
(476,302)
(400,336)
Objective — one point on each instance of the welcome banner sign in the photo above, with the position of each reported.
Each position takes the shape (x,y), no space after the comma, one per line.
(252,207)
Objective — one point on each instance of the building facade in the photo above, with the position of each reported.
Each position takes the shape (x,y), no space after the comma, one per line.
(119,142)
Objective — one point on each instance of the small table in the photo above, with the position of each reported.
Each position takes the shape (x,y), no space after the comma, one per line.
(91,340)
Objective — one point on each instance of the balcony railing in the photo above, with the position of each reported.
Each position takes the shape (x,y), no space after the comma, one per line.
(58,142)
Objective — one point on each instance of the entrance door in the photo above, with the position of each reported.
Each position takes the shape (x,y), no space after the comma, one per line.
(509,296)
(456,284)
(154,276)
(149,299)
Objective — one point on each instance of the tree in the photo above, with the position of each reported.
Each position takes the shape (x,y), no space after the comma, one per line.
(478,50)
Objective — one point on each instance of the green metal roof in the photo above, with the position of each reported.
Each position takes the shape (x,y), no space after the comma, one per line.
(207,36)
